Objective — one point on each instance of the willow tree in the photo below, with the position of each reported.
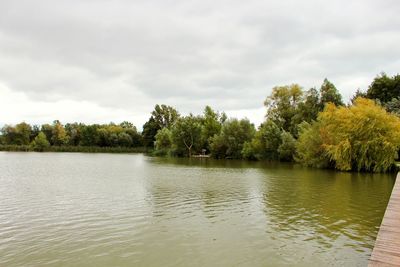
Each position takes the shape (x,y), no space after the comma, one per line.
(362,137)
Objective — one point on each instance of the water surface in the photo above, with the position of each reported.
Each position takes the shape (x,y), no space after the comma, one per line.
(71,209)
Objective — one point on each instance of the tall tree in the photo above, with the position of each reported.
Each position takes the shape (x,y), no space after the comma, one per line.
(384,88)
(165,115)
(329,94)
(282,105)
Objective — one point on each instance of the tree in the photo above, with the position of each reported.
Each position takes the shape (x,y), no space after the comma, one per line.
(163,141)
(135,136)
(150,129)
(211,126)
(165,115)
(309,108)
(230,142)
(393,106)
(124,139)
(362,137)
(59,135)
(47,129)
(18,135)
(162,116)
(127,125)
(89,135)
(74,132)
(265,143)
(384,88)
(40,143)
(282,105)
(9,134)
(287,148)
(329,94)
(358,94)
(186,134)
(34,132)
(310,148)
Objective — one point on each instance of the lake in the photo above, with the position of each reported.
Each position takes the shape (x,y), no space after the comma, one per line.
(73,209)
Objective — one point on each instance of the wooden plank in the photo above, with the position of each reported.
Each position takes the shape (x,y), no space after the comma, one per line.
(386,251)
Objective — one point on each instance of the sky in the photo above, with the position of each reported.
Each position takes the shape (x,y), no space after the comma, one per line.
(97,61)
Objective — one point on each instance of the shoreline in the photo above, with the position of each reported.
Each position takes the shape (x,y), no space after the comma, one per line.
(76,149)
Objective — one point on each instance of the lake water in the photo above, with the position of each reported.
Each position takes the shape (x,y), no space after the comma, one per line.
(72,209)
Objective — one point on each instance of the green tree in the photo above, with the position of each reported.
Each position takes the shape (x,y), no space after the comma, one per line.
(384,88)
(282,105)
(150,129)
(124,139)
(135,136)
(34,132)
(393,106)
(165,115)
(230,142)
(47,129)
(22,134)
(186,134)
(89,135)
(9,134)
(287,148)
(265,143)
(211,126)
(127,125)
(329,94)
(309,108)
(162,116)
(40,143)
(163,141)
(74,132)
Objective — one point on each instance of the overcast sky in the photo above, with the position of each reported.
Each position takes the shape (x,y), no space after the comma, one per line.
(113,60)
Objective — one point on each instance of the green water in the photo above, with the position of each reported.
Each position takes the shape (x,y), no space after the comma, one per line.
(60,209)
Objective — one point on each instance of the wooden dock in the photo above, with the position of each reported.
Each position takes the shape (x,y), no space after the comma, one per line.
(387,245)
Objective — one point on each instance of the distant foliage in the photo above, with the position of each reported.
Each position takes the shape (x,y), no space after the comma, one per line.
(310,126)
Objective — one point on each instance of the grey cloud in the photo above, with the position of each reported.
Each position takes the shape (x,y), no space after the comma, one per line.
(134,54)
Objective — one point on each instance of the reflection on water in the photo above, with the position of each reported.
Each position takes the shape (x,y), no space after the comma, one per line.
(61,209)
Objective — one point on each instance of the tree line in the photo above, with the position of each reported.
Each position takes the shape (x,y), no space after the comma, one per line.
(314,127)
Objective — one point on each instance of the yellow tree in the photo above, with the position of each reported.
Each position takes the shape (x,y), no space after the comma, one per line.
(363,137)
